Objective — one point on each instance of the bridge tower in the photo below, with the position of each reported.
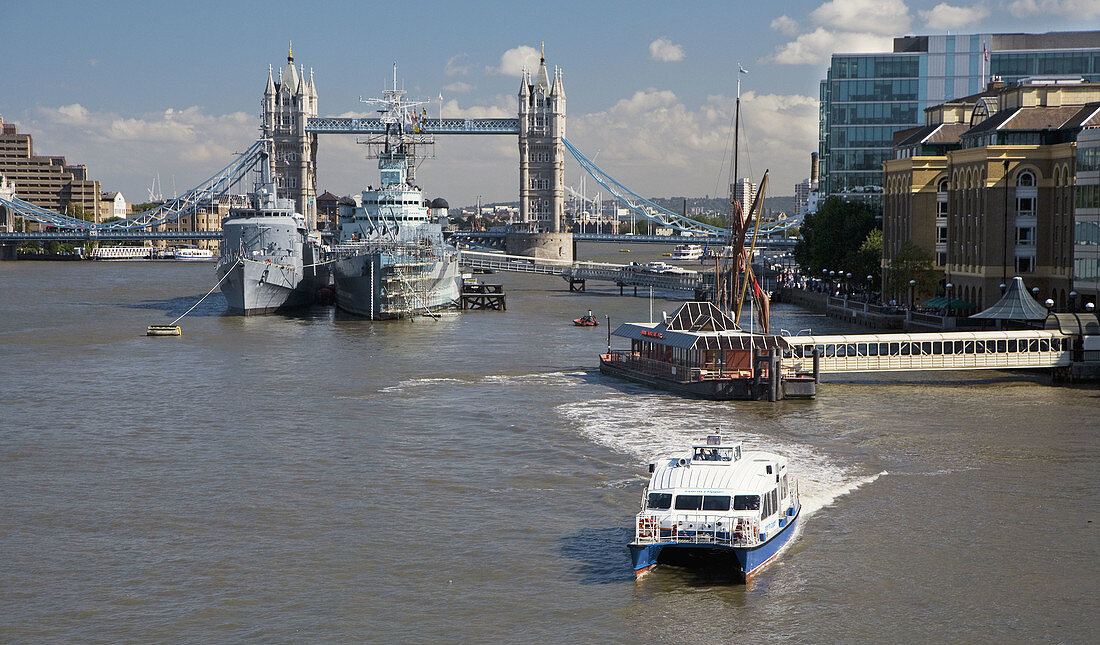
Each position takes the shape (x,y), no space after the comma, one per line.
(288,104)
(541,153)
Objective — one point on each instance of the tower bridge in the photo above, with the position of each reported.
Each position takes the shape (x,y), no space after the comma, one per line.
(291,125)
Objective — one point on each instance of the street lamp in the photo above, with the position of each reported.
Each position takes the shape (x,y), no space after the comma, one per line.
(1035,292)
(948,287)
(1072,301)
(869,278)
(912,287)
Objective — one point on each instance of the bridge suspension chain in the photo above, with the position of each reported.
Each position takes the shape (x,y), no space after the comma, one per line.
(217,184)
(650,211)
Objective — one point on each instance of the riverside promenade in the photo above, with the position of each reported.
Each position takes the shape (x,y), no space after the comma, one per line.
(873,315)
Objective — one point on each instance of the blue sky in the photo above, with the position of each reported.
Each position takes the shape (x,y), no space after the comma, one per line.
(137,89)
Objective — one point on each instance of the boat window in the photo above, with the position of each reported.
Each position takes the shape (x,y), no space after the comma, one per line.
(746,502)
(659,500)
(716,503)
(688,502)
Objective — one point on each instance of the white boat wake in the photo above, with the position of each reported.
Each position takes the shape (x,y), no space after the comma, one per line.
(649,426)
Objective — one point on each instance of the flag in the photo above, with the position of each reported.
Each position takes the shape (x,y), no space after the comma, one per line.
(742,70)
(985,52)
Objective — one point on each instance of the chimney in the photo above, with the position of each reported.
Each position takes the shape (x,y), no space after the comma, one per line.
(813,168)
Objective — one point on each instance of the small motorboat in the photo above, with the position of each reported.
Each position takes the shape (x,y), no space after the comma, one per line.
(586,321)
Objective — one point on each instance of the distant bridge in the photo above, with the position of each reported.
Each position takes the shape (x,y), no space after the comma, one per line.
(496,239)
(105,235)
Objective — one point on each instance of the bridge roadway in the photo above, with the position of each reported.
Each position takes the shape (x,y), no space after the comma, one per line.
(626,275)
(84,235)
(626,238)
(109,235)
(957,350)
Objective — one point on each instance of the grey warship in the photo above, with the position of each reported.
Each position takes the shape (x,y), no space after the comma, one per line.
(269,260)
(391,260)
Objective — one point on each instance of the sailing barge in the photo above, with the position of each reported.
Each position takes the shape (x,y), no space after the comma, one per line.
(701,352)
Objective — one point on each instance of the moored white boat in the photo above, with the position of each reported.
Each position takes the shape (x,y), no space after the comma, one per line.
(687,252)
(716,502)
(192,253)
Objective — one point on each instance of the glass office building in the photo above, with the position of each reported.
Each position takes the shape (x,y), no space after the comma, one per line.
(866,98)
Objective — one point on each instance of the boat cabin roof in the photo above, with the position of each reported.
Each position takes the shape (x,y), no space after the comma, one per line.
(719,468)
(699,325)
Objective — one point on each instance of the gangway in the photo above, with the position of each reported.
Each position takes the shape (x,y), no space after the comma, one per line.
(959,350)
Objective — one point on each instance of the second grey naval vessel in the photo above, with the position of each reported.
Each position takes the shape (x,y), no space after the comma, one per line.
(269,260)
(390,260)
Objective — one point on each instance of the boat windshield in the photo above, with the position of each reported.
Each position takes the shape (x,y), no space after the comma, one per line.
(713,454)
(702,502)
(746,502)
(659,501)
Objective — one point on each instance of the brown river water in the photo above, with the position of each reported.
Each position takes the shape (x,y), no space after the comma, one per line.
(320,478)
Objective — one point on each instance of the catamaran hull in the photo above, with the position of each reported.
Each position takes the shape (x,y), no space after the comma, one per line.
(748,560)
(368,285)
(254,288)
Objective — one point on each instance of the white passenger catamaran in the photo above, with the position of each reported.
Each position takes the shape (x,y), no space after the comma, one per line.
(716,502)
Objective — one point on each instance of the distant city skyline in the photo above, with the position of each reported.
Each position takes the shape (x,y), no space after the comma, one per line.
(137,90)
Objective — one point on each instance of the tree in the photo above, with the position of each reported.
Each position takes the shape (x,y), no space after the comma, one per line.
(831,237)
(75,209)
(867,260)
(912,263)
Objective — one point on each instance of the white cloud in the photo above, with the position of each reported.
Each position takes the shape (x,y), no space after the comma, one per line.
(517,59)
(849,26)
(945,16)
(457,65)
(74,114)
(660,147)
(123,152)
(818,45)
(665,50)
(1081,9)
(458,87)
(883,17)
(785,25)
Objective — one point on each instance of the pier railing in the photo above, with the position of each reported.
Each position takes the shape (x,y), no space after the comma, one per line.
(696,528)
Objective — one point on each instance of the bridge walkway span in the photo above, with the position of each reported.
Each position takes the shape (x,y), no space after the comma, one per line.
(959,350)
(620,274)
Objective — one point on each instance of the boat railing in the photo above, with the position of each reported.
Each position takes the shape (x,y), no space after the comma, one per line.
(697,528)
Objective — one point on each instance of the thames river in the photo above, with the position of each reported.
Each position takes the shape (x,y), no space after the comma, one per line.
(321,478)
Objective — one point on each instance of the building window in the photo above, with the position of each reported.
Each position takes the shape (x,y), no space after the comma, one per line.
(941,234)
(1025,235)
(1025,264)
(1025,207)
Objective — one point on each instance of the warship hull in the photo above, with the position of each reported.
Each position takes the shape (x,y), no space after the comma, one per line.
(384,286)
(254,288)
